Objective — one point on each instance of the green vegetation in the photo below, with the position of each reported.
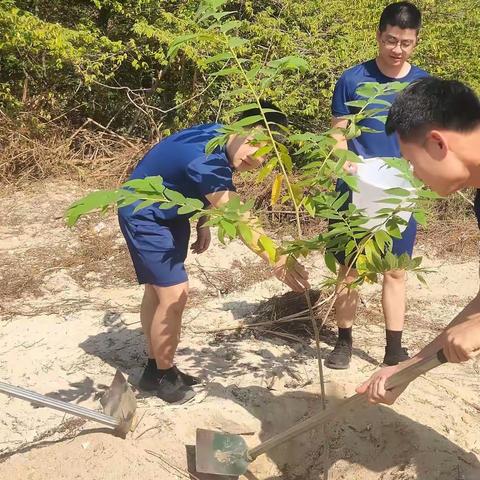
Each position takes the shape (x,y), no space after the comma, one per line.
(312,193)
(107,59)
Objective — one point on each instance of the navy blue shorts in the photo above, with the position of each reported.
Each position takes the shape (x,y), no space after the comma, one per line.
(399,246)
(158,249)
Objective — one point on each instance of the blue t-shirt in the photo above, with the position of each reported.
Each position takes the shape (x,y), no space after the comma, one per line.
(181,161)
(369,145)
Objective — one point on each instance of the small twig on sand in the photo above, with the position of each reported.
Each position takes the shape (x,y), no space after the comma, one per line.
(466,199)
(148,430)
(207,278)
(287,335)
(251,325)
(316,331)
(173,467)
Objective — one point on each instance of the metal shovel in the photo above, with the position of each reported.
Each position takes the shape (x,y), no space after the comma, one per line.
(227,454)
(118,402)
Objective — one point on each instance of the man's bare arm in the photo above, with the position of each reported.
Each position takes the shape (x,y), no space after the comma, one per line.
(294,275)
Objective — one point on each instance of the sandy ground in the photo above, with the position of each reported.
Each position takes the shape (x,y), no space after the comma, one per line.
(66,335)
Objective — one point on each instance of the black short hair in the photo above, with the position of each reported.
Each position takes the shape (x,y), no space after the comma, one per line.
(401,14)
(433,103)
(275,120)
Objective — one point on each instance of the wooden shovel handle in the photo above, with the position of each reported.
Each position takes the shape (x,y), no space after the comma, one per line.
(400,378)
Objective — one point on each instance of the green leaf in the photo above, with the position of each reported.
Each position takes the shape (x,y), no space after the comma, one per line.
(262,151)
(382,238)
(144,204)
(268,246)
(420,217)
(276,189)
(219,58)
(248,205)
(357,103)
(403,261)
(340,201)
(98,200)
(247,121)
(393,230)
(178,42)
(245,232)
(330,261)
(368,249)
(267,169)
(309,207)
(366,89)
(243,108)
(176,197)
(399,192)
(231,25)
(233,204)
(290,62)
(137,183)
(236,42)
(236,92)
(361,264)
(421,278)
(393,201)
(287,161)
(183,210)
(346,155)
(428,194)
(351,246)
(195,203)
(125,202)
(215,143)
(252,73)
(416,262)
(391,261)
(167,205)
(351,181)
(221,234)
(229,228)
(226,72)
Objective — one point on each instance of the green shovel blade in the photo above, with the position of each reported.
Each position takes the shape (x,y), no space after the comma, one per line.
(221,453)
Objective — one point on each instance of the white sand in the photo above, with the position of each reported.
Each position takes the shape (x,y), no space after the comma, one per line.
(72,349)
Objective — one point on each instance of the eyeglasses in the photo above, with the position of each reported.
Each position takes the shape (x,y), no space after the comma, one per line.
(392,42)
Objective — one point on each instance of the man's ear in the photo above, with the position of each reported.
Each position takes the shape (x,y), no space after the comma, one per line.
(378,35)
(436,144)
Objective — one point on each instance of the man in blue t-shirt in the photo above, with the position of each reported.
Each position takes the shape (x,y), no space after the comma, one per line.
(158,238)
(397,37)
(438,124)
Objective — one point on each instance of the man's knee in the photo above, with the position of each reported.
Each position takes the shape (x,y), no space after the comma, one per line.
(394,276)
(173,298)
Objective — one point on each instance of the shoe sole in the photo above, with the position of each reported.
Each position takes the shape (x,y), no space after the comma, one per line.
(180,401)
(383,364)
(337,367)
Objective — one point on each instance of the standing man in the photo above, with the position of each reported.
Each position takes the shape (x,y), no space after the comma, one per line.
(438,125)
(158,238)
(397,37)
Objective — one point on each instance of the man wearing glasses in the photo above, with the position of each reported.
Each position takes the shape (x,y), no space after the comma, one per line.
(397,37)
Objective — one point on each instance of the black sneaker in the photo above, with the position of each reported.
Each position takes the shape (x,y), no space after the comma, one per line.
(339,358)
(168,387)
(148,380)
(188,380)
(395,358)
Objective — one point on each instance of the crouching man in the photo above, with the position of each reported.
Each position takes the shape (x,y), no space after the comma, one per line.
(158,239)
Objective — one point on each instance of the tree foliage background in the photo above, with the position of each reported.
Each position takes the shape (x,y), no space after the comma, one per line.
(106,59)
